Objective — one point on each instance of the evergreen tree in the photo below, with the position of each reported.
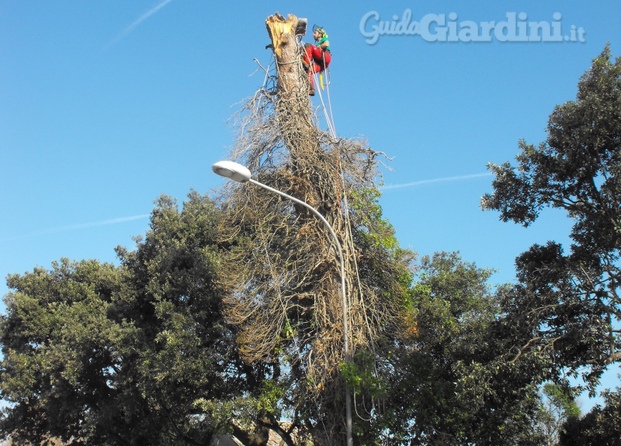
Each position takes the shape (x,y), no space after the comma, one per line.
(137,354)
(568,299)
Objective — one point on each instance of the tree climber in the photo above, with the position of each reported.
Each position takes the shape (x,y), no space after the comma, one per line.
(316,58)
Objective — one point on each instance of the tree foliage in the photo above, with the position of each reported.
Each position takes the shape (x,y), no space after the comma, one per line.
(600,427)
(454,383)
(60,349)
(569,301)
(560,407)
(129,355)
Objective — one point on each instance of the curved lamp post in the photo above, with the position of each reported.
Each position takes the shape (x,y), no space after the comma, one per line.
(241,174)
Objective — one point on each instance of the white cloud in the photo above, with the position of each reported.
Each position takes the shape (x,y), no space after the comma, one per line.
(436,180)
(120,36)
(73,227)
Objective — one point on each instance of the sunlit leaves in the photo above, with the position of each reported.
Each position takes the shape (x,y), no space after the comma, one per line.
(571,296)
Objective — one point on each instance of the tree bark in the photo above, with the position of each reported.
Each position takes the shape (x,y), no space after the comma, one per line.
(286,275)
(283,34)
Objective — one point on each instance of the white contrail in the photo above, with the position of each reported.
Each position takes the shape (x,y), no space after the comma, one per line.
(112,221)
(92,224)
(120,36)
(437,180)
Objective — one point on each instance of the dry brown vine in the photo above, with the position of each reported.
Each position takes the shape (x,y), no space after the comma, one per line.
(284,265)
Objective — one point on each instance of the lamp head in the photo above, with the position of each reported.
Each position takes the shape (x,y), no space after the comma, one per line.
(232,170)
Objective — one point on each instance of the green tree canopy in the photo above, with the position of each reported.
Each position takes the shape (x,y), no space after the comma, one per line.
(130,355)
(454,379)
(567,300)
(600,427)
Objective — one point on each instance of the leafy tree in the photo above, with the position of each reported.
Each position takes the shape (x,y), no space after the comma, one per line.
(560,407)
(137,354)
(60,349)
(600,427)
(568,303)
(454,382)
(183,348)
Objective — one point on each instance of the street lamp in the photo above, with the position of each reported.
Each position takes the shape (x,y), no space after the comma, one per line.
(241,174)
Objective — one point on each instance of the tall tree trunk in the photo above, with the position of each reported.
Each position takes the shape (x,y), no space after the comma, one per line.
(283,33)
(317,175)
(285,268)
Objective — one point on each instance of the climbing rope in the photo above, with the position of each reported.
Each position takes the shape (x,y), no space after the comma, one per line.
(349,241)
(322,83)
(348,244)
(327,111)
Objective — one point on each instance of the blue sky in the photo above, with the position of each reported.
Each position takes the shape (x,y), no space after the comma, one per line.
(105,105)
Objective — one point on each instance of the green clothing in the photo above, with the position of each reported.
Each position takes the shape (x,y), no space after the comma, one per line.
(322,40)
